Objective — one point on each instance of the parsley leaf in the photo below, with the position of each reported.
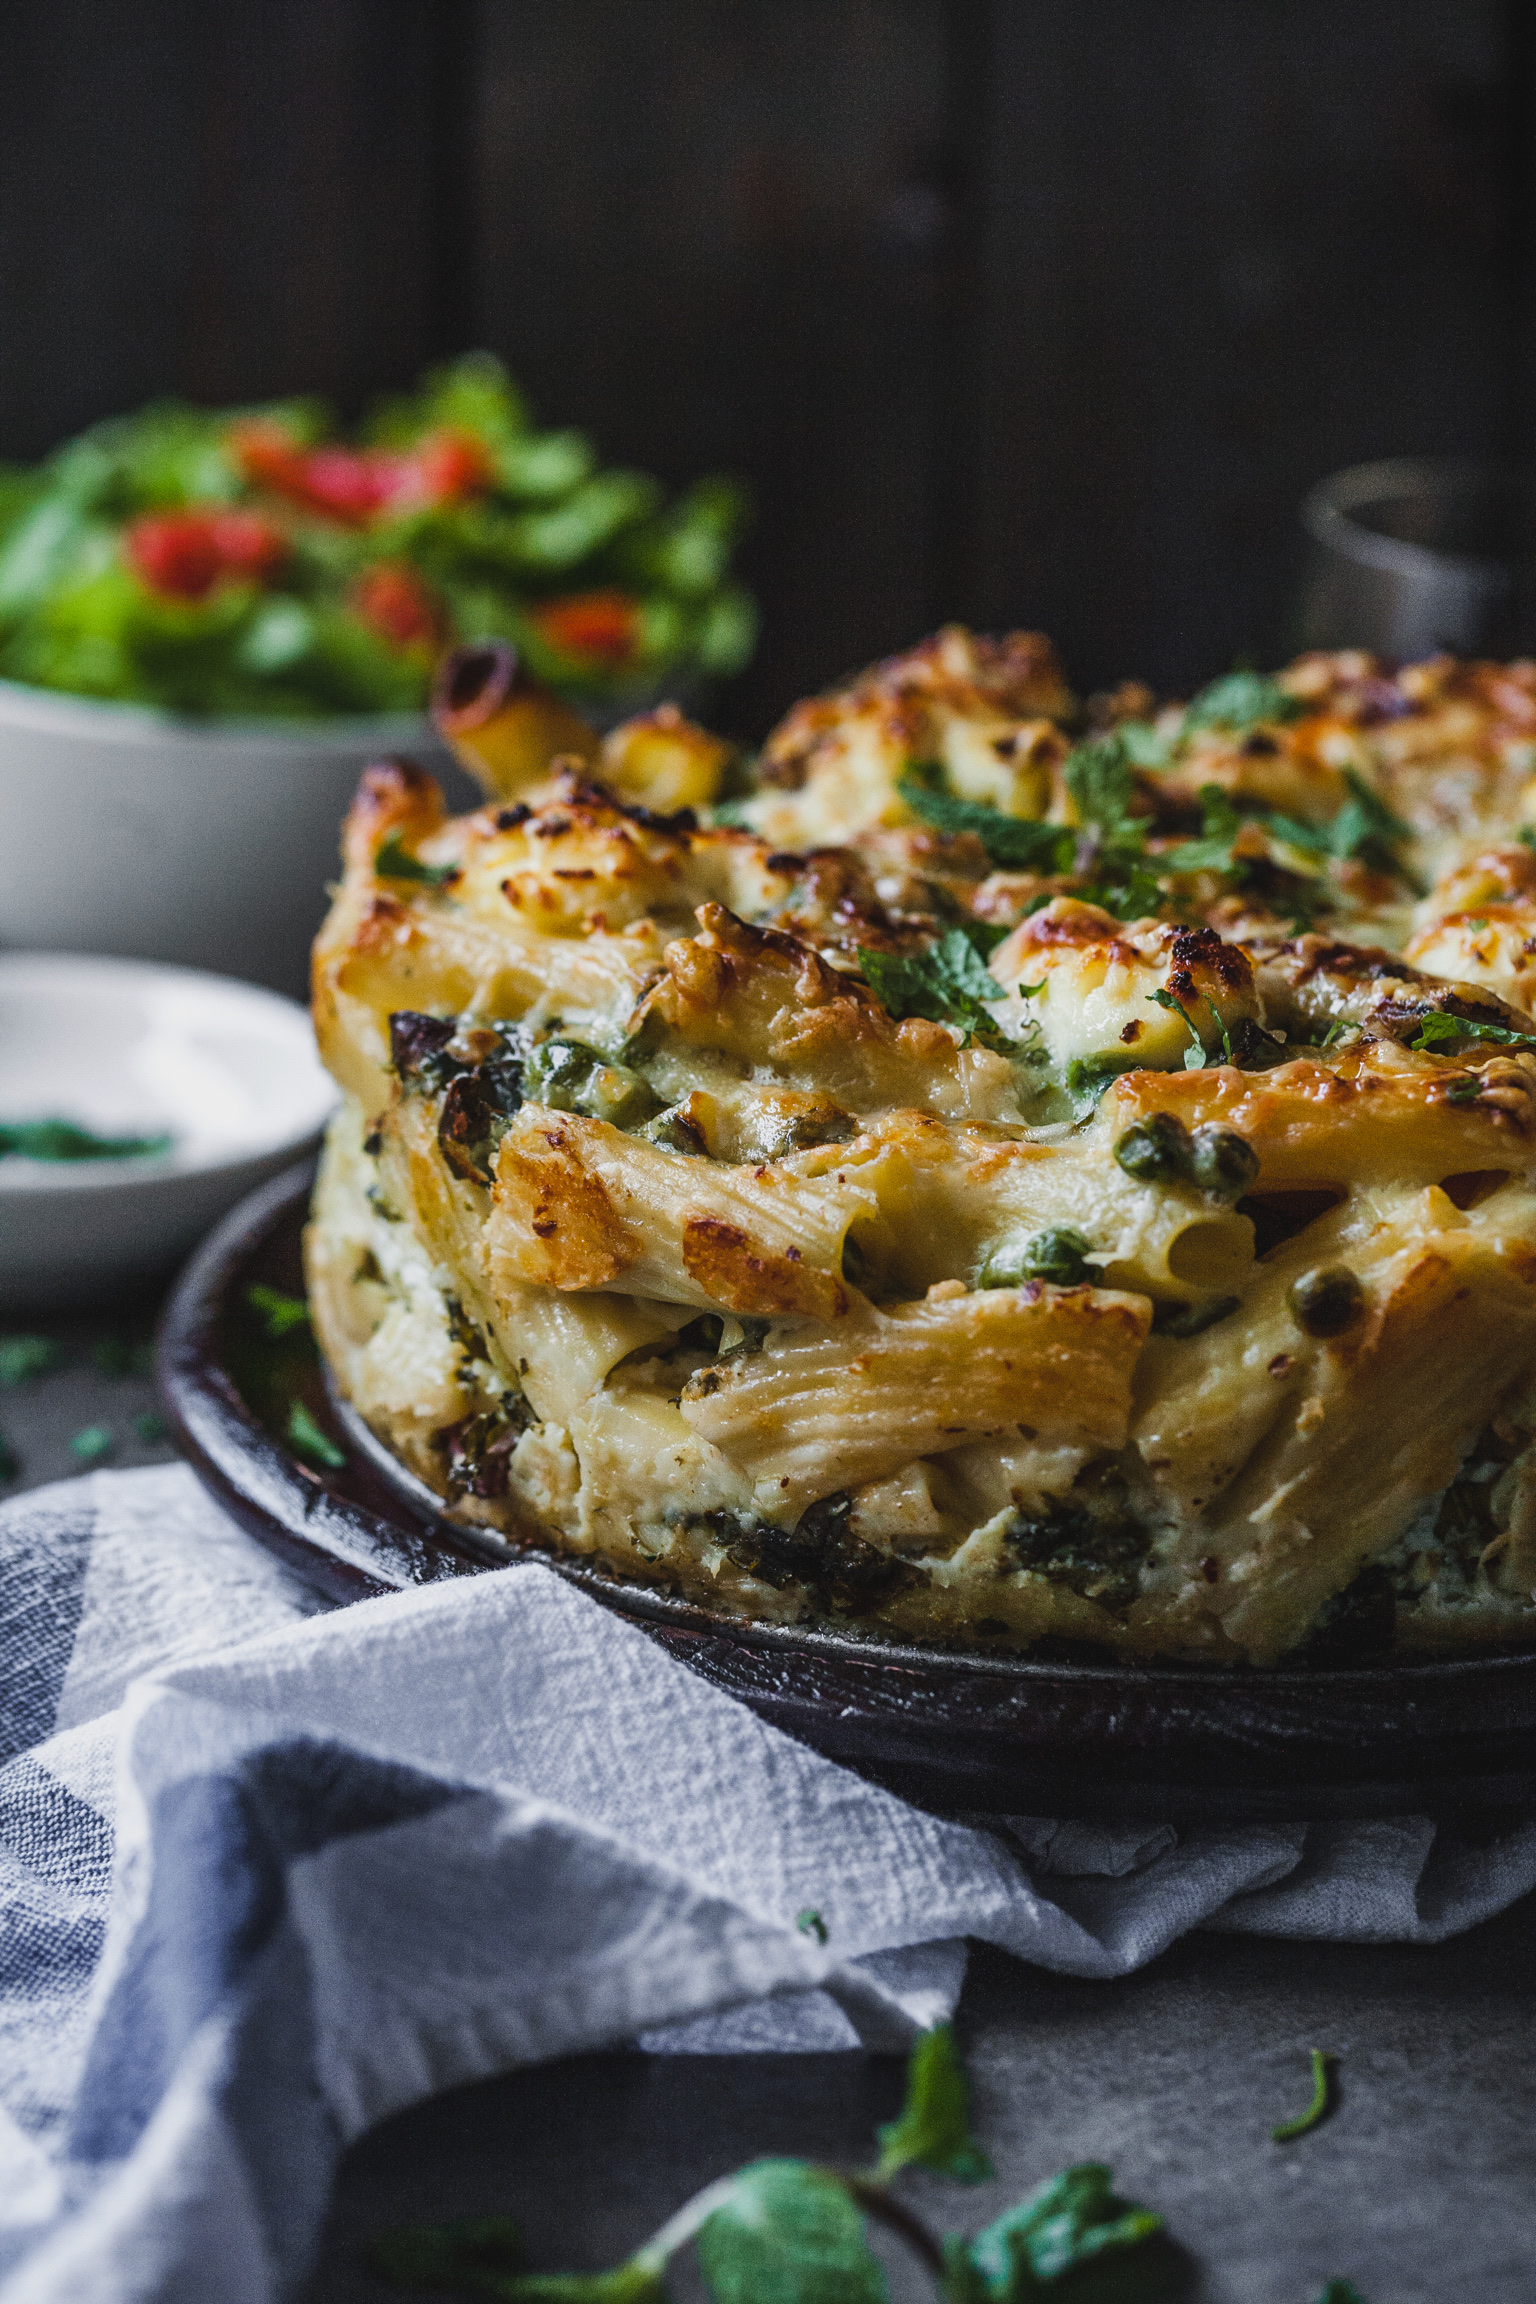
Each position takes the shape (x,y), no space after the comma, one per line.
(934,2128)
(1438,1030)
(1018,843)
(1220,824)
(810,1923)
(947,984)
(394,862)
(1365,828)
(789,2233)
(1241,700)
(1075,2224)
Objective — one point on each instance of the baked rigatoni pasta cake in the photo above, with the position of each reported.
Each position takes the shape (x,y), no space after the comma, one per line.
(997,1170)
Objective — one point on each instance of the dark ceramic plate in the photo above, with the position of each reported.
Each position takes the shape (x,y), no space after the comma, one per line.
(996,1734)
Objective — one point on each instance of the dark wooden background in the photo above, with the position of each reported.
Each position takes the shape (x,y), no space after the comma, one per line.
(1024,311)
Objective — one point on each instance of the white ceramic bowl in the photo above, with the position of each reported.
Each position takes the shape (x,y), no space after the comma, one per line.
(126,1048)
(209,843)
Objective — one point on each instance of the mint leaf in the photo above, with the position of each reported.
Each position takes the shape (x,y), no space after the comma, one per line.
(789,2233)
(62,1140)
(1194,1054)
(1019,843)
(307,1440)
(23,1357)
(1212,852)
(934,2127)
(1439,1030)
(394,862)
(480,2253)
(1102,783)
(278,1312)
(1076,2225)
(1241,700)
(947,984)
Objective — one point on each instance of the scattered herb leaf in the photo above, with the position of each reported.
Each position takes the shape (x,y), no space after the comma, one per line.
(947,984)
(789,2231)
(394,862)
(1220,824)
(92,1443)
(306,1437)
(1241,700)
(1440,1029)
(1194,1054)
(810,1923)
(279,1313)
(1322,2097)
(1067,2226)
(62,1140)
(117,1356)
(1017,843)
(149,1428)
(933,2129)
(23,1357)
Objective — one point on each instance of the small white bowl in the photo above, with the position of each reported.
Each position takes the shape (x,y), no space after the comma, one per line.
(127,1048)
(205,842)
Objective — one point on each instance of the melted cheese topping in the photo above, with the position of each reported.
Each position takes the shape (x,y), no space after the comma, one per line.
(704,1201)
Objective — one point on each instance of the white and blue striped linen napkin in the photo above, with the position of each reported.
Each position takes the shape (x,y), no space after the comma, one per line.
(270,1871)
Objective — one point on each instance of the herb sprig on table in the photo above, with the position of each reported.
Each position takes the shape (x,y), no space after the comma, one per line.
(788,2231)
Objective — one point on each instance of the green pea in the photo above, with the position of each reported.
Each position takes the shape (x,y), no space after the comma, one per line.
(1059,1255)
(1222,1162)
(1327,1301)
(1156,1150)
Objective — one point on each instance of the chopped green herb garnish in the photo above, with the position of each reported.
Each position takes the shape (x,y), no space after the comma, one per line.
(1018,843)
(62,1140)
(307,1439)
(149,1428)
(947,984)
(1089,1076)
(1341,2292)
(1220,824)
(1322,2093)
(934,2127)
(394,862)
(1241,700)
(1336,1032)
(91,1444)
(1143,745)
(1194,1054)
(792,2232)
(280,1314)
(1068,2230)
(1440,1029)
(810,1923)
(23,1357)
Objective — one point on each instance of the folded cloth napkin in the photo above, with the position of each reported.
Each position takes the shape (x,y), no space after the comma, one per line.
(270,1871)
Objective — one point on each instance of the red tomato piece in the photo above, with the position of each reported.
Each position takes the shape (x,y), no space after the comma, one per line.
(183,555)
(393,601)
(605,625)
(447,466)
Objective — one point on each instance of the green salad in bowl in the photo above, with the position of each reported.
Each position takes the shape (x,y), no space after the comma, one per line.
(251,563)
